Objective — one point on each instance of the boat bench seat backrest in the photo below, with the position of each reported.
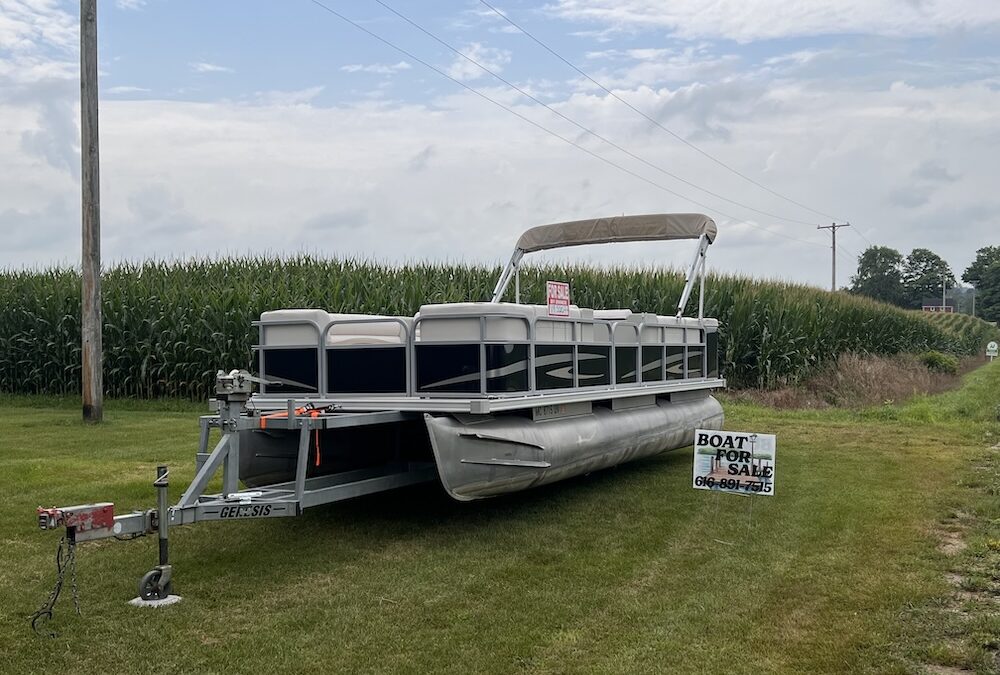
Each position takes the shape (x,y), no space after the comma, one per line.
(459,322)
(677,327)
(368,333)
(548,329)
(505,321)
(654,328)
(286,327)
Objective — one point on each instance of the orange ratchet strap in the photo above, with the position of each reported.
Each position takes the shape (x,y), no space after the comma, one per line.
(312,411)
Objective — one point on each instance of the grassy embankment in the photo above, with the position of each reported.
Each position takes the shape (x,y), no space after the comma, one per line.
(879,552)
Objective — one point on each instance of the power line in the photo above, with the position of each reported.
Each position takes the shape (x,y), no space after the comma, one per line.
(568,141)
(847,251)
(651,119)
(578,125)
(862,235)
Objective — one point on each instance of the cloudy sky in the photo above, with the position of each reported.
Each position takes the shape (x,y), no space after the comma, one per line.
(235,127)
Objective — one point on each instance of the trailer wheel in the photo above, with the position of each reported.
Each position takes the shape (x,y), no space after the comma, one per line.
(149,586)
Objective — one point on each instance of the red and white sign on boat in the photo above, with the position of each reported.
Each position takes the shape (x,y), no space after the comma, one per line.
(558,294)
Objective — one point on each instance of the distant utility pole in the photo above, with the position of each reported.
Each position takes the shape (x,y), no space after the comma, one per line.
(973,301)
(833,230)
(944,292)
(91,321)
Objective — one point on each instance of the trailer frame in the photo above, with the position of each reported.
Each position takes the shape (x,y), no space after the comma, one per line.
(90,522)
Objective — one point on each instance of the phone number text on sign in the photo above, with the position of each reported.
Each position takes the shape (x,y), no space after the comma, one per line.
(734,461)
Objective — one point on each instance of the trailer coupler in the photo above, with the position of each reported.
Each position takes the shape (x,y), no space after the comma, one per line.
(90,522)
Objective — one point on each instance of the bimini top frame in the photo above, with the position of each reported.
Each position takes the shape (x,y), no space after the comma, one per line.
(652,227)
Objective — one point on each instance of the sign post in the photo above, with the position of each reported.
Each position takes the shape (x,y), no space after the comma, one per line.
(991,350)
(734,461)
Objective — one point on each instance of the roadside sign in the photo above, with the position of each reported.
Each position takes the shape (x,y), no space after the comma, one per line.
(734,461)
(991,350)
(558,295)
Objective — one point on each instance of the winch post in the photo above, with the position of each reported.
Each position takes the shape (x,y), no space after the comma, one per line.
(231,467)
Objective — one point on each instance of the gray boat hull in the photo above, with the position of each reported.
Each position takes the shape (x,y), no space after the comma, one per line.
(481,457)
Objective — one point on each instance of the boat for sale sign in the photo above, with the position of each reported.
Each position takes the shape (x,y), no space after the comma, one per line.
(558,294)
(734,461)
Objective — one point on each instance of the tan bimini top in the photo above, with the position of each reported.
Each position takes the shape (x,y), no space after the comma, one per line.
(651,227)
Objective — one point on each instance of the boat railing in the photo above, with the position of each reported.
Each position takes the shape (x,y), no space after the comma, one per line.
(604,343)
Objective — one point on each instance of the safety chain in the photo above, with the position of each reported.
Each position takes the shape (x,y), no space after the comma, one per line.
(44,613)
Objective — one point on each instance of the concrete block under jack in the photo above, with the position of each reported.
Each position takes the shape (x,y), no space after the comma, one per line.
(163,602)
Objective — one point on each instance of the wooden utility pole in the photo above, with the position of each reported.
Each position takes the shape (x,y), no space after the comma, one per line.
(91,320)
(833,230)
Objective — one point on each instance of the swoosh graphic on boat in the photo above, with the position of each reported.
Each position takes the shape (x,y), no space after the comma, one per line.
(540,362)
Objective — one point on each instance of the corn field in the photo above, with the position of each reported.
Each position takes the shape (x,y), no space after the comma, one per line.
(168,326)
(971,333)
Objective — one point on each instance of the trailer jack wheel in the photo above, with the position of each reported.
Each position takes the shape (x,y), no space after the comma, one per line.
(156,584)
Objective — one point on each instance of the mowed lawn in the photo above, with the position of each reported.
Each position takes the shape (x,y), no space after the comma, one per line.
(626,570)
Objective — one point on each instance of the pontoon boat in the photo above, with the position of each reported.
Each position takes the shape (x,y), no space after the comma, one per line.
(489,397)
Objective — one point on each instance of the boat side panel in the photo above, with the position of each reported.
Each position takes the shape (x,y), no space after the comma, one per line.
(489,456)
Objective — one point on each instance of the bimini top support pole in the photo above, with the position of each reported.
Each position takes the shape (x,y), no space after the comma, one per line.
(517,283)
(701,291)
(692,274)
(506,275)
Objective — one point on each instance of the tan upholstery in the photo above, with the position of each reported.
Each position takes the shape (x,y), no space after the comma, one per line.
(287,327)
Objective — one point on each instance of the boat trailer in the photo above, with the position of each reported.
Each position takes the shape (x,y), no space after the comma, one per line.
(90,522)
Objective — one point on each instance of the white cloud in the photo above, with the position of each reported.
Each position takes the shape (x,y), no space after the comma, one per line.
(376,68)
(458,179)
(283,98)
(651,67)
(126,89)
(26,25)
(130,4)
(746,20)
(799,58)
(491,57)
(203,67)
(479,16)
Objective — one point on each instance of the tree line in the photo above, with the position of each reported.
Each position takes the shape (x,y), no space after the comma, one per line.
(885,274)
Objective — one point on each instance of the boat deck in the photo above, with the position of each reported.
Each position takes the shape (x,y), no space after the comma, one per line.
(487,405)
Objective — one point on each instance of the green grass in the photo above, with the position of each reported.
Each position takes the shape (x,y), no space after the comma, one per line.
(626,570)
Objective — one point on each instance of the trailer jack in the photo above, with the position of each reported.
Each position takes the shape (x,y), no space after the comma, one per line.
(157,583)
